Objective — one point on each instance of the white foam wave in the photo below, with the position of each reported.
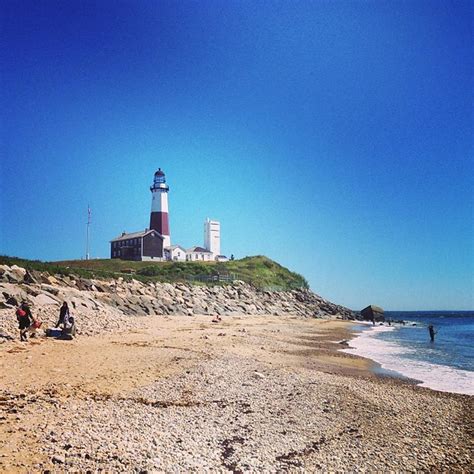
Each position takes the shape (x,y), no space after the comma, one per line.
(387,354)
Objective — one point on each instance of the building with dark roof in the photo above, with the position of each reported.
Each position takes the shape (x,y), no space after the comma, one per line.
(198,254)
(144,245)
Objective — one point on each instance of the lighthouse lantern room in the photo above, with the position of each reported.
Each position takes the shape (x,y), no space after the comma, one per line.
(159,207)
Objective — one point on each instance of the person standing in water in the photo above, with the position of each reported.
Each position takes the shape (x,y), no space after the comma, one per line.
(432,332)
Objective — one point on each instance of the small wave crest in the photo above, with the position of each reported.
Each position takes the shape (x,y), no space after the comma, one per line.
(390,355)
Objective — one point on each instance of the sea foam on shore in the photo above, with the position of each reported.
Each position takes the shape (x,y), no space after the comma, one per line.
(394,357)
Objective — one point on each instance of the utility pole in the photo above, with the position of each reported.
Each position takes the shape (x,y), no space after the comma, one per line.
(88,232)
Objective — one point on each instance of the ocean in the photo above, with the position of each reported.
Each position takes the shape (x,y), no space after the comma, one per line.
(447,364)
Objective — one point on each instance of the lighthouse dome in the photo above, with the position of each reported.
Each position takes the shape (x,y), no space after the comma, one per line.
(159,182)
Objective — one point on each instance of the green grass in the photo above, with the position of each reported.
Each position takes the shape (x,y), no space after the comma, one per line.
(259,271)
(54,268)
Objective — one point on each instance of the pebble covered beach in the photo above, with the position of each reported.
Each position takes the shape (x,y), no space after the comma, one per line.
(248,394)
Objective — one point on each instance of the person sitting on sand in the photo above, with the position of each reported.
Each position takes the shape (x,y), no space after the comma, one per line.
(25,319)
(69,328)
(216,319)
(63,313)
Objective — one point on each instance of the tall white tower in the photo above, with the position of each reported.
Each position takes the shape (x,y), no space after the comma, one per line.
(159,207)
(212,236)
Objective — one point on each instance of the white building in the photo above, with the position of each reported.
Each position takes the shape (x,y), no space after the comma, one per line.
(175,253)
(212,237)
(198,254)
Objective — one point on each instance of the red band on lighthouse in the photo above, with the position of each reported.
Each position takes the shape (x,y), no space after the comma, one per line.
(159,222)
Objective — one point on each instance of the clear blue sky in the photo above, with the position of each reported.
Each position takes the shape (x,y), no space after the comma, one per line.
(335,137)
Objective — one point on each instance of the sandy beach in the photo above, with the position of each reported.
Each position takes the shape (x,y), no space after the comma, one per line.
(253,393)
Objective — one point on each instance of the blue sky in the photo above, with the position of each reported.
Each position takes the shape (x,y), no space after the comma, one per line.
(334,137)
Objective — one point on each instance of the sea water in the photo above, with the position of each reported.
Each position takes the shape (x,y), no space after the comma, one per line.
(447,364)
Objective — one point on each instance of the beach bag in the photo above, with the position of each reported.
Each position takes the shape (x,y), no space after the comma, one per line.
(53,332)
(36,324)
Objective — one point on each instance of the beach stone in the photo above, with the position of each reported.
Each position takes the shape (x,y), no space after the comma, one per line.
(52,280)
(50,289)
(57,459)
(14,274)
(32,276)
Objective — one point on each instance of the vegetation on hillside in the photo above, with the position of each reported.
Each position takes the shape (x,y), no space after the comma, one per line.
(54,268)
(259,271)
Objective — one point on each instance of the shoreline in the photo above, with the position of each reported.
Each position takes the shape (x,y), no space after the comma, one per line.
(388,357)
(249,393)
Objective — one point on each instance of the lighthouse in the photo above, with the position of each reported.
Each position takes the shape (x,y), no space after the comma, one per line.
(159,207)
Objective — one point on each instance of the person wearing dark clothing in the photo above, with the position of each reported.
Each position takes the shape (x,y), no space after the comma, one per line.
(25,319)
(63,314)
(432,332)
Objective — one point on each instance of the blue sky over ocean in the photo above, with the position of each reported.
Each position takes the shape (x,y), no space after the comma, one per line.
(334,137)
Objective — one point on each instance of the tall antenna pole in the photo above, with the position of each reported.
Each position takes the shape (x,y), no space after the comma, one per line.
(88,225)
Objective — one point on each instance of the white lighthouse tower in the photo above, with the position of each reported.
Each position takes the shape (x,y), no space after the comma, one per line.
(159,207)
(212,237)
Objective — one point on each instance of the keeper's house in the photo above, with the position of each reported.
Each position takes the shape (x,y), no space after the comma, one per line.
(175,253)
(195,254)
(145,245)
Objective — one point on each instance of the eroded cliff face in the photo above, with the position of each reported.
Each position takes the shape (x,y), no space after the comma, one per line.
(101,305)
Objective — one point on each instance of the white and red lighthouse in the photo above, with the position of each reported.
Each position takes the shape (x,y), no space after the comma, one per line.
(159,207)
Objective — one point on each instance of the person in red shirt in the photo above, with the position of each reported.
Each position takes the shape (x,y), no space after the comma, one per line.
(25,319)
